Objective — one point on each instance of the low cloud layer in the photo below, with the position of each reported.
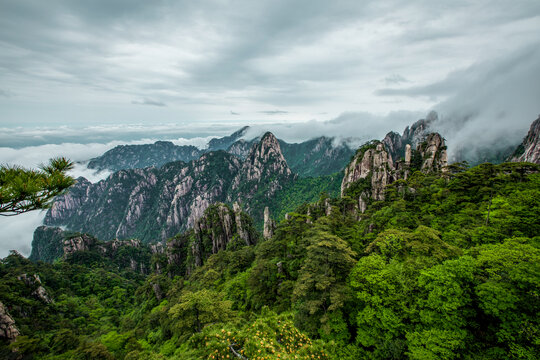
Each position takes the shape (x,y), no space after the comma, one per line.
(119,134)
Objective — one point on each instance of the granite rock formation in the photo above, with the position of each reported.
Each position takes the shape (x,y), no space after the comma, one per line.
(8,330)
(529,149)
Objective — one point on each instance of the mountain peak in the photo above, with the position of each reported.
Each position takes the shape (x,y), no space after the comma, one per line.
(266,158)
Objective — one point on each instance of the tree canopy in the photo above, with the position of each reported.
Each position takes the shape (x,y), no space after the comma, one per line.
(23,190)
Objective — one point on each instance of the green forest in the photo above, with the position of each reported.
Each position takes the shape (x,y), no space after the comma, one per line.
(446,267)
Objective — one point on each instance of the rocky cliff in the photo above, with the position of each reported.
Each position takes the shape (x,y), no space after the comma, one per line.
(529,149)
(155,204)
(264,166)
(35,285)
(372,168)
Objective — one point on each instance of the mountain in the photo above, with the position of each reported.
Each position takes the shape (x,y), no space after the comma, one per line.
(529,149)
(124,157)
(314,157)
(154,204)
(449,254)
(225,142)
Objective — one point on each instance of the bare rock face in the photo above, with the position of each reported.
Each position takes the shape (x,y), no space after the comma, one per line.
(34,282)
(269,224)
(8,330)
(78,243)
(265,160)
(433,153)
(529,149)
(393,142)
(376,163)
(150,204)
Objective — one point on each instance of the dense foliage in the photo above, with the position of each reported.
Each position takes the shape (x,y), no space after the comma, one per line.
(447,267)
(23,190)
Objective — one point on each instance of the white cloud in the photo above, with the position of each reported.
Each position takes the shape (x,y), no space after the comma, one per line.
(18,231)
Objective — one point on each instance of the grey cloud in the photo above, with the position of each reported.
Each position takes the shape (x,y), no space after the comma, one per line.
(495,107)
(146,101)
(6,93)
(314,54)
(395,79)
(273,112)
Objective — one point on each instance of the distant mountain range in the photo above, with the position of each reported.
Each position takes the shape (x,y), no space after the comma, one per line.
(315,157)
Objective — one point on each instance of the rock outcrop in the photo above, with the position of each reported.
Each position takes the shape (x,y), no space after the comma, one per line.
(373,168)
(130,253)
(34,282)
(432,151)
(413,135)
(149,204)
(8,330)
(264,160)
(75,244)
(216,229)
(373,165)
(529,149)
(269,224)
(243,225)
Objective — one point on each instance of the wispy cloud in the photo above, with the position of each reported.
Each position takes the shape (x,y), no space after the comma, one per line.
(273,112)
(146,101)
(395,79)
(5,93)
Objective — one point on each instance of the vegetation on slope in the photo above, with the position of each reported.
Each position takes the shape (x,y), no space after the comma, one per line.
(444,268)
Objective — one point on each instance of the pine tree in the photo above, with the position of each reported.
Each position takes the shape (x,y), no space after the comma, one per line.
(23,190)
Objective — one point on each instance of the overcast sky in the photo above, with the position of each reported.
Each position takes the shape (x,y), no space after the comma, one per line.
(79,63)
(80,76)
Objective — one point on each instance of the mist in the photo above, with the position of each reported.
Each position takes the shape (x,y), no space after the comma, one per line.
(495,105)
